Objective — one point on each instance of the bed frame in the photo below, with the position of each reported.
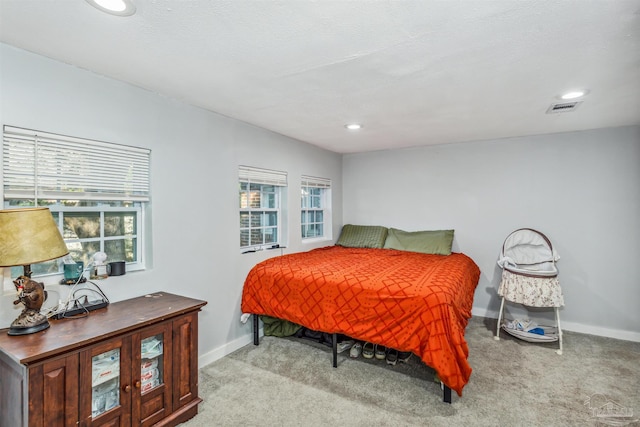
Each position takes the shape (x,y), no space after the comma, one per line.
(446,391)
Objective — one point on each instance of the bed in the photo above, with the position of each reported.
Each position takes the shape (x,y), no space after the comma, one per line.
(378,291)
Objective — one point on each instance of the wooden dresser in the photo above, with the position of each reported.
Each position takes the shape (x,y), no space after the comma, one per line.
(133,363)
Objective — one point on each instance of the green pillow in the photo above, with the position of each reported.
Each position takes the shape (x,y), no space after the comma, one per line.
(436,242)
(362,236)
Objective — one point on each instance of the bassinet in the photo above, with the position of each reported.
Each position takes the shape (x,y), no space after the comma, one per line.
(530,277)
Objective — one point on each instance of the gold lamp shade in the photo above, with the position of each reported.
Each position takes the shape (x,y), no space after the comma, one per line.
(29,236)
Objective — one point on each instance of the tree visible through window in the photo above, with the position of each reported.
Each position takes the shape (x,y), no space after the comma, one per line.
(110,228)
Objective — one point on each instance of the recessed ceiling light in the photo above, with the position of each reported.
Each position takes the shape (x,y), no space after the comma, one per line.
(114,7)
(574,94)
(353,126)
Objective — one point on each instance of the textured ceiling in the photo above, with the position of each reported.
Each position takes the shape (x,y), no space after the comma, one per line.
(412,72)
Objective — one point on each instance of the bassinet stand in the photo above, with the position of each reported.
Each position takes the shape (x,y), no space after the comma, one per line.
(556,309)
(446,390)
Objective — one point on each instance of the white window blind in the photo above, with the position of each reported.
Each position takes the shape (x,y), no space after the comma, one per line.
(40,165)
(262,176)
(315,182)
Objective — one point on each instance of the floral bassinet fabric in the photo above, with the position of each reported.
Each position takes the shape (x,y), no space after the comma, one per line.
(531,291)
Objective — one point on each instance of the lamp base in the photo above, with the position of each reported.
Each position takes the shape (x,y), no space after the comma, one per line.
(19,330)
(30,321)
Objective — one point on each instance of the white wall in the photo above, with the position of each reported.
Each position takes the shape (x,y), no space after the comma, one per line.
(195,158)
(581,189)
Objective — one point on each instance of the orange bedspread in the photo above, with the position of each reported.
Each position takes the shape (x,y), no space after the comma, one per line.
(403,300)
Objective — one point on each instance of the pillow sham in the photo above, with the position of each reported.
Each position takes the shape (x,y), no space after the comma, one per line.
(362,236)
(437,242)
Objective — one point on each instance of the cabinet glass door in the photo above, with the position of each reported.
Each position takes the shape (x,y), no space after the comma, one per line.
(105,382)
(151,366)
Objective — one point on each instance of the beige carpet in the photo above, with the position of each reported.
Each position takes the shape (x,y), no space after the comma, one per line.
(290,382)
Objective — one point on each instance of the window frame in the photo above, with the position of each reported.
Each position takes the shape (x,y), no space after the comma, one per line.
(253,177)
(138,208)
(138,265)
(324,185)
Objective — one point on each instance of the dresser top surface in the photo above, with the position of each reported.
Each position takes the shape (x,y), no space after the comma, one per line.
(117,318)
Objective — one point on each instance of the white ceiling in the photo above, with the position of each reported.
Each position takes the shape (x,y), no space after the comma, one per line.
(412,72)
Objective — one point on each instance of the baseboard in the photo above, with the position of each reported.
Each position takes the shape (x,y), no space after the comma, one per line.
(226,349)
(619,334)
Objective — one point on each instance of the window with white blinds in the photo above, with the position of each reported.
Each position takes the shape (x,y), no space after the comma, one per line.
(260,194)
(96,191)
(41,165)
(316,205)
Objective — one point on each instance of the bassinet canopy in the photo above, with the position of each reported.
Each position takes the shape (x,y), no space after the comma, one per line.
(528,252)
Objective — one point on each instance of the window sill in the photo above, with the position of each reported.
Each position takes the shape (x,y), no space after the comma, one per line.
(54,279)
(251,250)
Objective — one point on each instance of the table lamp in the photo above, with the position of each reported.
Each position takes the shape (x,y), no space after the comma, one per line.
(29,236)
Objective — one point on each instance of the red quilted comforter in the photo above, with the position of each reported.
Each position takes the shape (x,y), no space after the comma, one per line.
(404,300)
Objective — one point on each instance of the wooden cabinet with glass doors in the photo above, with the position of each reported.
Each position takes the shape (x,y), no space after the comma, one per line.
(133,363)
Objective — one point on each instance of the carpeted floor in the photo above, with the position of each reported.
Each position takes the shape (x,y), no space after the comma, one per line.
(290,382)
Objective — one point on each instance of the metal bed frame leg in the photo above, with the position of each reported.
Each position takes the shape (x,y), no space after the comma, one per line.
(256,338)
(446,394)
(334,342)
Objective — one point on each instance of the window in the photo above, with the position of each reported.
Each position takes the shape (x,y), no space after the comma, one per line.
(316,204)
(260,191)
(97,192)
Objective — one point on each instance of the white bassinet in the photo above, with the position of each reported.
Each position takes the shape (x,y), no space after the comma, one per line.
(530,277)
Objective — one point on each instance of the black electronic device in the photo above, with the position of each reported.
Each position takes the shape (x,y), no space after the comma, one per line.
(81,308)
